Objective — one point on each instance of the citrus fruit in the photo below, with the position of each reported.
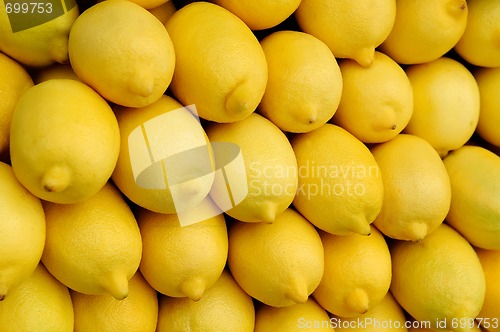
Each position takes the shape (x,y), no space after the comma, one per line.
(425,30)
(165,159)
(385,316)
(377,101)
(490,312)
(64,141)
(438,278)
(36,36)
(340,189)
(357,273)
(225,307)
(304,85)
(137,313)
(478,44)
(269,170)
(163,12)
(261,14)
(93,247)
(123,52)
(182,261)
(352,29)
(475,182)
(417,191)
(22,228)
(279,264)
(489,114)
(293,318)
(220,66)
(55,71)
(445,104)
(41,303)
(14,81)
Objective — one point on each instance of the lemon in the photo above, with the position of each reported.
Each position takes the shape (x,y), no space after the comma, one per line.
(55,71)
(438,278)
(377,101)
(478,44)
(182,261)
(352,29)
(103,313)
(259,15)
(150,4)
(37,37)
(270,167)
(340,189)
(490,312)
(489,115)
(150,137)
(279,264)
(446,104)
(224,308)
(220,66)
(357,273)
(304,85)
(386,316)
(293,318)
(425,30)
(475,182)
(22,228)
(93,247)
(64,141)
(41,303)
(164,12)
(417,190)
(14,81)
(123,52)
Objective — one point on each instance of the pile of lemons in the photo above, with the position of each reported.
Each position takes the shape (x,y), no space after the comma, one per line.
(251,165)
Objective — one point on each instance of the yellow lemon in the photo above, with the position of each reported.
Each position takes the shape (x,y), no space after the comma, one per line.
(269,170)
(164,12)
(445,104)
(220,66)
(103,313)
(417,191)
(488,80)
(352,29)
(475,183)
(386,316)
(304,85)
(122,51)
(425,30)
(478,44)
(22,227)
(165,159)
(14,81)
(36,33)
(55,71)
(340,189)
(438,278)
(279,264)
(41,303)
(93,247)
(377,101)
(357,273)
(224,308)
(309,316)
(150,4)
(261,14)
(64,141)
(182,261)
(490,312)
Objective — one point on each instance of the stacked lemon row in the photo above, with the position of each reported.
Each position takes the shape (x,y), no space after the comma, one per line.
(368,132)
